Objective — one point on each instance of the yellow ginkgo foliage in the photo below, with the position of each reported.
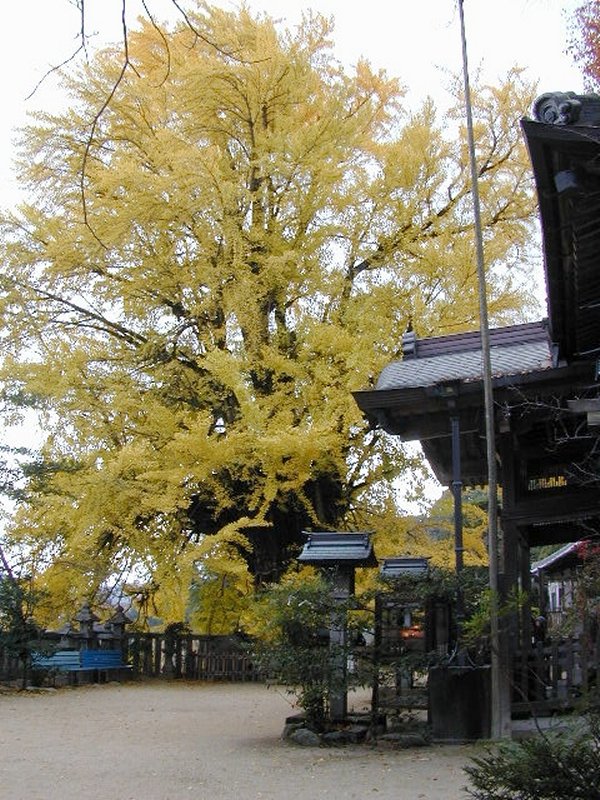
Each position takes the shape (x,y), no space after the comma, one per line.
(206,268)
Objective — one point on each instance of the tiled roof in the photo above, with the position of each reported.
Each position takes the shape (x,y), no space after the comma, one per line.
(404,565)
(554,558)
(512,359)
(327,548)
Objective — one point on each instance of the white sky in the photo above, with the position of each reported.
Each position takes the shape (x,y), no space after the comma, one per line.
(416,41)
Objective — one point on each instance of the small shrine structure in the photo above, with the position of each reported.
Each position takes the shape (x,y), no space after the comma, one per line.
(338,555)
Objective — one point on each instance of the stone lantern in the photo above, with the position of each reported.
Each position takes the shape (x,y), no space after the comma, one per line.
(117,623)
(86,619)
(337,554)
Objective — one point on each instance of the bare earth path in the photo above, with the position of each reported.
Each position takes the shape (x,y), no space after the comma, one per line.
(207,742)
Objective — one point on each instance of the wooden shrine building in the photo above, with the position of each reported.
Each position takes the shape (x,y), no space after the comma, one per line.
(545,374)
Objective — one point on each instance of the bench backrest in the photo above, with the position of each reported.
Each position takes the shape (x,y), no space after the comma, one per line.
(62,660)
(101,659)
(65,660)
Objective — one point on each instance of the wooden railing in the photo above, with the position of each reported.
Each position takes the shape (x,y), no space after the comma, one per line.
(189,656)
(559,674)
(157,655)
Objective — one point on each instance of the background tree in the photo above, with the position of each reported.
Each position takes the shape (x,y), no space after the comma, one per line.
(19,598)
(438,523)
(204,273)
(585,41)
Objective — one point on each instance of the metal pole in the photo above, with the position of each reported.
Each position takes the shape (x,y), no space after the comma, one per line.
(457,485)
(500,718)
(457,495)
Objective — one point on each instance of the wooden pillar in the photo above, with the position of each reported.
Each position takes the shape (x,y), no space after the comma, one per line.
(457,487)
(341,581)
(513,553)
(526,587)
(511,556)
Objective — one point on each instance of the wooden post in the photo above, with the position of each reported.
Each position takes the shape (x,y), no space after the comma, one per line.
(342,587)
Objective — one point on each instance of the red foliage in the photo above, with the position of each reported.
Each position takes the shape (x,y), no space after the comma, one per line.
(585,41)
(588,549)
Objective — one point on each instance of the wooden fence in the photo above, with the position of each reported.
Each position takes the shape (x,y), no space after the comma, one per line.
(156,655)
(189,656)
(558,674)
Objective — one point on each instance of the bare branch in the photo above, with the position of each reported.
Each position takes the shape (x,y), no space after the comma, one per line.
(82,47)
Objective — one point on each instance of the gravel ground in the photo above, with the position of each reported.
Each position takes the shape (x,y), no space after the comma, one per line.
(157,741)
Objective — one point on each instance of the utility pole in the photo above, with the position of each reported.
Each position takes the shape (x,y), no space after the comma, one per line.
(500,711)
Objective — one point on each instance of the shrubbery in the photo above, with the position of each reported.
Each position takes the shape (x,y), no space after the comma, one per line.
(555,765)
(18,632)
(293,620)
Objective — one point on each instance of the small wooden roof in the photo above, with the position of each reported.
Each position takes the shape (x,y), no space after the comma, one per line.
(404,565)
(328,549)
(567,557)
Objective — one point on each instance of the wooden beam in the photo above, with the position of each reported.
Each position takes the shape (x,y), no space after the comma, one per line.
(555,506)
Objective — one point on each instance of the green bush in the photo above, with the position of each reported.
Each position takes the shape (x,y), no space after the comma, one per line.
(293,647)
(19,634)
(555,765)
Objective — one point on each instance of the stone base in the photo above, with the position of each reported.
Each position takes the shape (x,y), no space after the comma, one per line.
(355,729)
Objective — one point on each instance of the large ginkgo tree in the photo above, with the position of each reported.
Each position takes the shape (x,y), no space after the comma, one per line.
(219,245)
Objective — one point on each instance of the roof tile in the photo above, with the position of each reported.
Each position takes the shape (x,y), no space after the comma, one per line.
(513,359)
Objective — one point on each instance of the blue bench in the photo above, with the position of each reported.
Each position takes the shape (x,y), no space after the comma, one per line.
(97,663)
(101,659)
(60,661)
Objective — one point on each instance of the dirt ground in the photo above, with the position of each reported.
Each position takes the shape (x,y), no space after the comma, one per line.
(157,741)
